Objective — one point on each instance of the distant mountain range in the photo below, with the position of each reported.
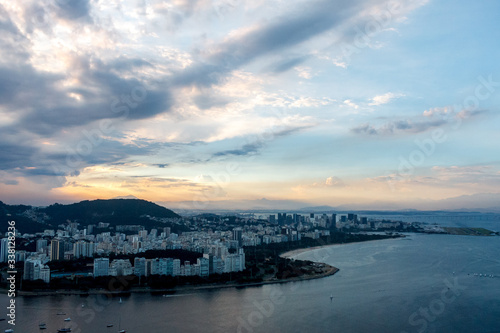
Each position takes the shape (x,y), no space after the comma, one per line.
(481,202)
(31,219)
(130,210)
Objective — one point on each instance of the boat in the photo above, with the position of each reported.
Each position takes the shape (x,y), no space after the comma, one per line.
(120,321)
(42,326)
(331,297)
(67,319)
(109,325)
(10,330)
(121,300)
(61,330)
(2,319)
(83,305)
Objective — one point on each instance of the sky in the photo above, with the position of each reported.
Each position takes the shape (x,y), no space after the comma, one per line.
(228,103)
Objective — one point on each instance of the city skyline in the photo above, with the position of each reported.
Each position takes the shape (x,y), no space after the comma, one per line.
(197,104)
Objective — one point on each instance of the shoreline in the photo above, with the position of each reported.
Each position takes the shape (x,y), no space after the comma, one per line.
(329,271)
(296,252)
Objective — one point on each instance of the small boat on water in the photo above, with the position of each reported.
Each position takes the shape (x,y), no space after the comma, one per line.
(10,330)
(2,319)
(67,319)
(109,325)
(42,326)
(64,330)
(120,321)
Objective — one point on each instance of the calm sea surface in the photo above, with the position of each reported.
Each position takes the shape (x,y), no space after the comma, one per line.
(424,283)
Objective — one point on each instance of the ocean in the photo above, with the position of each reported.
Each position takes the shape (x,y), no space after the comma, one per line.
(422,283)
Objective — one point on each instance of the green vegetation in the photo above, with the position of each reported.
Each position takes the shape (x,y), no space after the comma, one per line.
(115,212)
(23,223)
(263,263)
(469,231)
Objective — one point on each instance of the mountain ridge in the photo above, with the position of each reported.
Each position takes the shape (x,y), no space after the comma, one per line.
(113,211)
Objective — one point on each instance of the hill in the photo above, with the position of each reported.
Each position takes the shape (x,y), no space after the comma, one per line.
(115,212)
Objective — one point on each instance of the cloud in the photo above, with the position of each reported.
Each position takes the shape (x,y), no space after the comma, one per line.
(439,111)
(448,180)
(10,182)
(304,72)
(73,9)
(431,118)
(68,65)
(365,129)
(334,182)
(16,155)
(398,127)
(265,39)
(161,166)
(448,112)
(249,148)
(468,174)
(288,64)
(466,114)
(384,99)
(208,101)
(351,104)
(254,147)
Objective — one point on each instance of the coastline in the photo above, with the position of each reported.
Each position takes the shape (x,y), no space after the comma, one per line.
(328,271)
(293,253)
